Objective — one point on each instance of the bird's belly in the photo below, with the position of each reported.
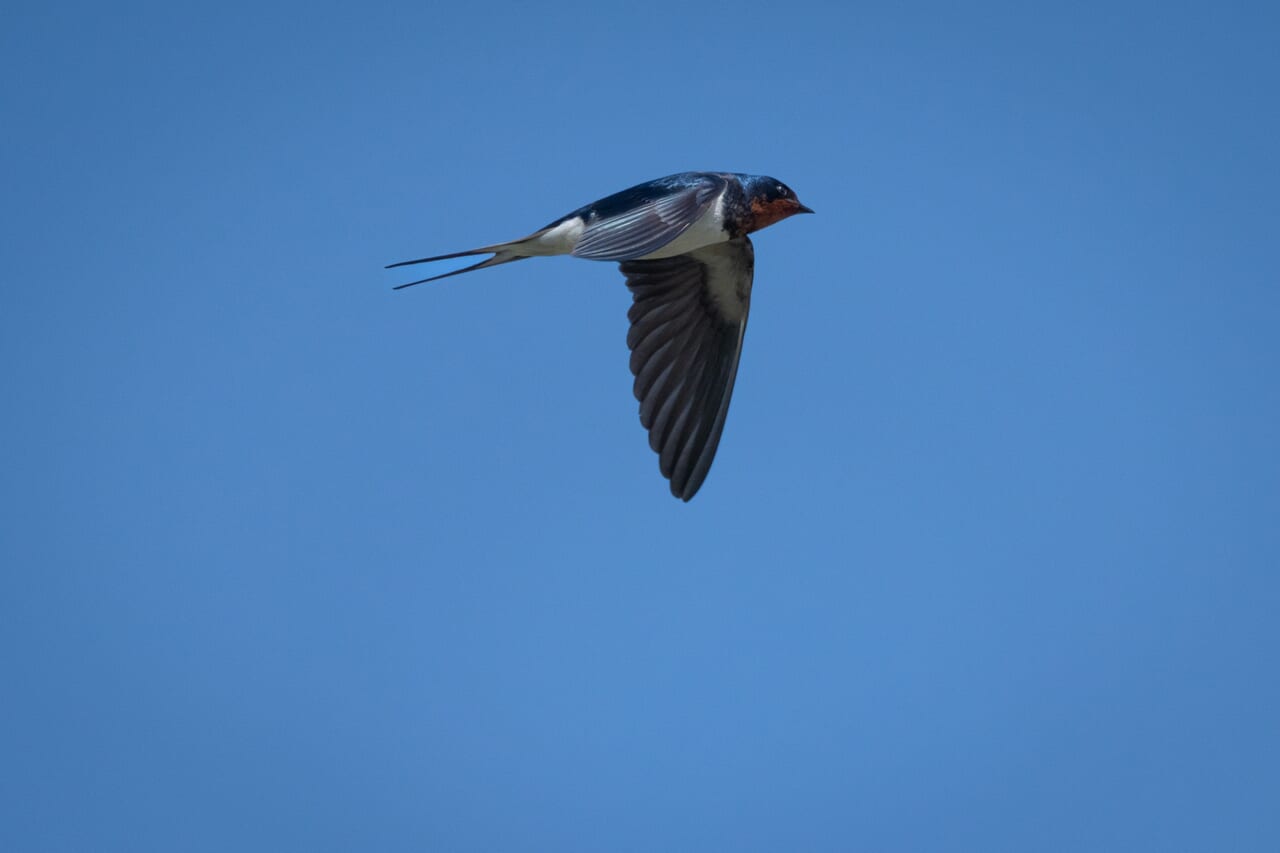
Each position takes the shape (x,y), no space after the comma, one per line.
(708,229)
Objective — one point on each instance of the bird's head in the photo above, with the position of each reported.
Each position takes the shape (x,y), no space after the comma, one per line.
(771,201)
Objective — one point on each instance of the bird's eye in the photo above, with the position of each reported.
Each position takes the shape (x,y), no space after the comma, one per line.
(782,191)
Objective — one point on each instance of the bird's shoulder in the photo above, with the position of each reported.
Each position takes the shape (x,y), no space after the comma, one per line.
(704,183)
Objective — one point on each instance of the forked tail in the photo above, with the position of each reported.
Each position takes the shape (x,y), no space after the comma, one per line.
(502,254)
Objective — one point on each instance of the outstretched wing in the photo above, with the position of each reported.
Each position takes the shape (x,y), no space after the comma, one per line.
(688,318)
(643,219)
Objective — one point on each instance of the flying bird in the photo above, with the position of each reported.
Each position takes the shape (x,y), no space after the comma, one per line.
(681,242)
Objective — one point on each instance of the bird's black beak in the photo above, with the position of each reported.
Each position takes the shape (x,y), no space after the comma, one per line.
(803,209)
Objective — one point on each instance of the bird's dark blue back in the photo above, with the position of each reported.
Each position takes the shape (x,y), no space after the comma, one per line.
(629,199)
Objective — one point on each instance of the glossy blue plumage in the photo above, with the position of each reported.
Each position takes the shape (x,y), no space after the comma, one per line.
(641,194)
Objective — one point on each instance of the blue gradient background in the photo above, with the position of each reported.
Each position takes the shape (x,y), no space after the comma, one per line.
(988,560)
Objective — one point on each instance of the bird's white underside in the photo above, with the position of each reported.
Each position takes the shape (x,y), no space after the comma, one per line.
(558,241)
(562,239)
(705,231)
(725,271)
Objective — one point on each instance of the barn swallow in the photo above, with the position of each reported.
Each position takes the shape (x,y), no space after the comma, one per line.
(681,242)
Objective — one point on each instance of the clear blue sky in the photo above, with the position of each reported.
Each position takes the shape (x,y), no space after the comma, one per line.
(989,559)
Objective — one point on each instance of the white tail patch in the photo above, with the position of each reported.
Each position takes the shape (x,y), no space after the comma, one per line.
(556,240)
